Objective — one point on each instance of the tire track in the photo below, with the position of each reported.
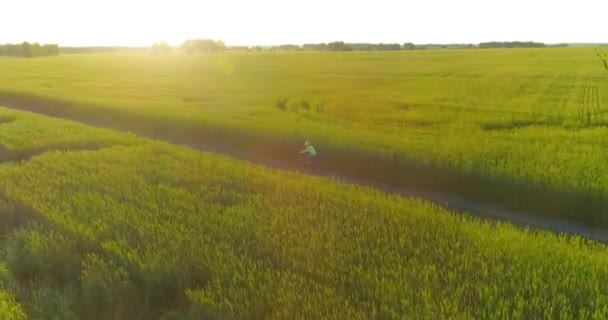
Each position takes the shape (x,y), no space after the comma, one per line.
(265,153)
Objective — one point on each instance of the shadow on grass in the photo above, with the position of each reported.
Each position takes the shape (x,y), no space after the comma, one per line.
(520,124)
(383,171)
(145,295)
(7,155)
(516,124)
(7,119)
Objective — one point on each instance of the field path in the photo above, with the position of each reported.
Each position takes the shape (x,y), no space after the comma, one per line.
(284,155)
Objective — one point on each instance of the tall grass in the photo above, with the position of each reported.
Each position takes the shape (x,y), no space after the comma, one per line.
(535,115)
(9,309)
(147,230)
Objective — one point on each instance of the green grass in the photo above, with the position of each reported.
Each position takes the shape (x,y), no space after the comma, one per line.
(139,229)
(31,135)
(535,115)
(9,309)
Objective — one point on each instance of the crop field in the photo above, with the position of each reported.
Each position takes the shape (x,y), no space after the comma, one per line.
(99,224)
(533,117)
(9,309)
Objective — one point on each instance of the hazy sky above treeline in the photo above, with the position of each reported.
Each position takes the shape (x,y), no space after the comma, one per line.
(271,22)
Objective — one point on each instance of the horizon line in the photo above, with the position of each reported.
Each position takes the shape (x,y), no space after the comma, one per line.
(306,43)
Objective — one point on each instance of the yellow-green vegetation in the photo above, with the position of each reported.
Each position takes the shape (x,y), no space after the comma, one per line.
(139,229)
(9,309)
(537,114)
(26,136)
(533,115)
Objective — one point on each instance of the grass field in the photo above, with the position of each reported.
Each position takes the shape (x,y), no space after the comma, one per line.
(99,224)
(104,225)
(9,309)
(535,117)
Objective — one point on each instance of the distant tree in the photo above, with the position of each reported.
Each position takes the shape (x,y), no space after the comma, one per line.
(188,47)
(161,47)
(203,46)
(388,46)
(361,46)
(338,46)
(210,46)
(511,44)
(192,46)
(220,46)
(315,47)
(239,48)
(430,46)
(36,50)
(374,46)
(288,47)
(15,50)
(26,49)
(51,49)
(409,46)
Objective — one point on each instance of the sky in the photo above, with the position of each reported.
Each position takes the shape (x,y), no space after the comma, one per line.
(271,22)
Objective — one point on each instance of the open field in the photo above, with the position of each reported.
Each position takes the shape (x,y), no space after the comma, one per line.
(99,224)
(524,128)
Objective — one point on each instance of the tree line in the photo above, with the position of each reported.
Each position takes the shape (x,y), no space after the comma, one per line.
(192,46)
(206,46)
(102,49)
(511,44)
(343,46)
(29,50)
